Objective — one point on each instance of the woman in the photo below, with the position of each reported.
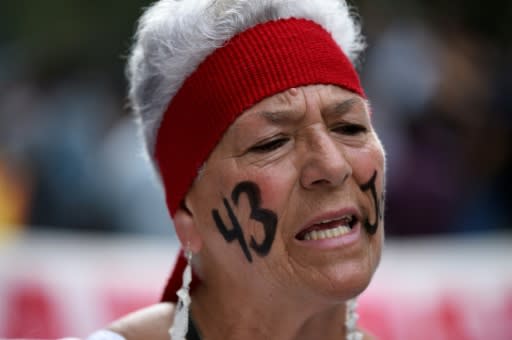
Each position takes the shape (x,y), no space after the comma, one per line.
(273,174)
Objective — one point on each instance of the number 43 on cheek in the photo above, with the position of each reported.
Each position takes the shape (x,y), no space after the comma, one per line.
(267,218)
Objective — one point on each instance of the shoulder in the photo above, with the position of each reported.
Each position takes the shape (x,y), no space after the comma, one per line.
(149,323)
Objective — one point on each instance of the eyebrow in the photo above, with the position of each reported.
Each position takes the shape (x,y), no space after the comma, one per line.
(281,117)
(339,109)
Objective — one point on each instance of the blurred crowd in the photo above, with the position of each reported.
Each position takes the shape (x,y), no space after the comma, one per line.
(438,76)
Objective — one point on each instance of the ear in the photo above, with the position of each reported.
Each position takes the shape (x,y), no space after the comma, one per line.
(186,229)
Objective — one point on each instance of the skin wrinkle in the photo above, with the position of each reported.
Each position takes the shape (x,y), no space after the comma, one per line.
(305,266)
(341,108)
(288,276)
(280,117)
(287,117)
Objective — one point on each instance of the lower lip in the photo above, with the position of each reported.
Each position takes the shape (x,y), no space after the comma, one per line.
(335,242)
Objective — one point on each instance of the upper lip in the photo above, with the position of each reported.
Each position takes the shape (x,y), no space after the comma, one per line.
(331,215)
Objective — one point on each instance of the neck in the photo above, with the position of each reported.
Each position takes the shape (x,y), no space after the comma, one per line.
(232,316)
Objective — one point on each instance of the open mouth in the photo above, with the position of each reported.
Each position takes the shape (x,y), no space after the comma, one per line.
(331,228)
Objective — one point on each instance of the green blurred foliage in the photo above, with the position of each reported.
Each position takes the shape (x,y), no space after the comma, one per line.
(56,37)
(62,36)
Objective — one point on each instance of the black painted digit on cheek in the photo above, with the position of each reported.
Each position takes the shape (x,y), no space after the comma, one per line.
(371,228)
(267,217)
(231,234)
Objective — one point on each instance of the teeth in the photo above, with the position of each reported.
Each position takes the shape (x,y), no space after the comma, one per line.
(329,233)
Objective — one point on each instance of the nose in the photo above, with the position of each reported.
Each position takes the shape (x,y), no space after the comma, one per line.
(324,163)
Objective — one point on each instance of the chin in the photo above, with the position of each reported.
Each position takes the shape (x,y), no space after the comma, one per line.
(347,281)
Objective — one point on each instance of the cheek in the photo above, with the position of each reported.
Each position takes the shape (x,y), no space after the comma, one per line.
(271,187)
(241,208)
(365,161)
(276,186)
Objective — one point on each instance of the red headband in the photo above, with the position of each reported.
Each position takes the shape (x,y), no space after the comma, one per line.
(257,63)
(262,61)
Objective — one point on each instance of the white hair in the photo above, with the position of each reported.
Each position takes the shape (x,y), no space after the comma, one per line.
(175,36)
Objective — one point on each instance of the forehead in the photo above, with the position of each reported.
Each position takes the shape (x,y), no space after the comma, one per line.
(290,105)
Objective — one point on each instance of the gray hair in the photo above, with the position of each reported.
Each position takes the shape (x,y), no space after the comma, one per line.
(174,36)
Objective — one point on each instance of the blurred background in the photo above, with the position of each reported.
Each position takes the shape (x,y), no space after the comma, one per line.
(84,232)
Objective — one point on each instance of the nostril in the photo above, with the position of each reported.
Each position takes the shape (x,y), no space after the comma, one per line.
(320,182)
(326,180)
(323,181)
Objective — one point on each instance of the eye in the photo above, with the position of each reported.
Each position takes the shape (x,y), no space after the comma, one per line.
(268,146)
(350,129)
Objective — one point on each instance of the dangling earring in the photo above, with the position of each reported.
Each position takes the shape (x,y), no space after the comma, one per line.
(351,318)
(179,328)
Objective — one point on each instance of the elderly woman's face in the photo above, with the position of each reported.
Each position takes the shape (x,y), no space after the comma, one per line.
(292,196)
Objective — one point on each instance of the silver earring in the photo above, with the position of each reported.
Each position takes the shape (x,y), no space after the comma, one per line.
(351,318)
(179,328)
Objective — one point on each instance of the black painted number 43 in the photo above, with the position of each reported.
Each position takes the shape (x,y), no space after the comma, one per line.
(267,218)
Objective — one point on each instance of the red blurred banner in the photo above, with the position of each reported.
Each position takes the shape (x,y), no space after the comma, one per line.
(55,287)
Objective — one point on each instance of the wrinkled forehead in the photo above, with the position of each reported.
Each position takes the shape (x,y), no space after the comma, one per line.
(289,107)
